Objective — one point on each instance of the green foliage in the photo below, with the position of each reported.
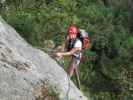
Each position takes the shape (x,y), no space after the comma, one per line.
(109,23)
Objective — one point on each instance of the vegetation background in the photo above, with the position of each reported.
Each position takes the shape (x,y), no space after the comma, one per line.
(110,27)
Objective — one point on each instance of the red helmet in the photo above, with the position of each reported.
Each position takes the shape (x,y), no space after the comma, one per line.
(72,29)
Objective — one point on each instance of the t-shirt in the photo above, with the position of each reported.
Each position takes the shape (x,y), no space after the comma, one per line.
(78,44)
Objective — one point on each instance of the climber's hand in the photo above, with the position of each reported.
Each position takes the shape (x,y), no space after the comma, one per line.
(58,54)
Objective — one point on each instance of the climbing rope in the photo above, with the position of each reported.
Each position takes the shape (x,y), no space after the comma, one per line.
(68,78)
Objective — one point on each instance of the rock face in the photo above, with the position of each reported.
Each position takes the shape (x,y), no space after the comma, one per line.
(24,70)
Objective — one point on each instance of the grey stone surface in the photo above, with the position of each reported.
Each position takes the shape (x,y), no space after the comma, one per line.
(23,69)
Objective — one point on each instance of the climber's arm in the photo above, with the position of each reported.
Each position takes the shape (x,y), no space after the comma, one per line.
(69,53)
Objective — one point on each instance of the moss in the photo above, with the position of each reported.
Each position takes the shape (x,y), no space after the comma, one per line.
(44,92)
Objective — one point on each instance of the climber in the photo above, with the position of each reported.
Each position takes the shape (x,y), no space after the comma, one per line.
(75,42)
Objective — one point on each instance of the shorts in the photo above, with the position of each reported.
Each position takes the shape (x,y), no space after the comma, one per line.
(74,63)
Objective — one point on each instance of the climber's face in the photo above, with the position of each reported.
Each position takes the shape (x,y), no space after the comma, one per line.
(72,36)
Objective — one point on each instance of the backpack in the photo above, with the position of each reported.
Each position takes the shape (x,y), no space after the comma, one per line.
(84,37)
